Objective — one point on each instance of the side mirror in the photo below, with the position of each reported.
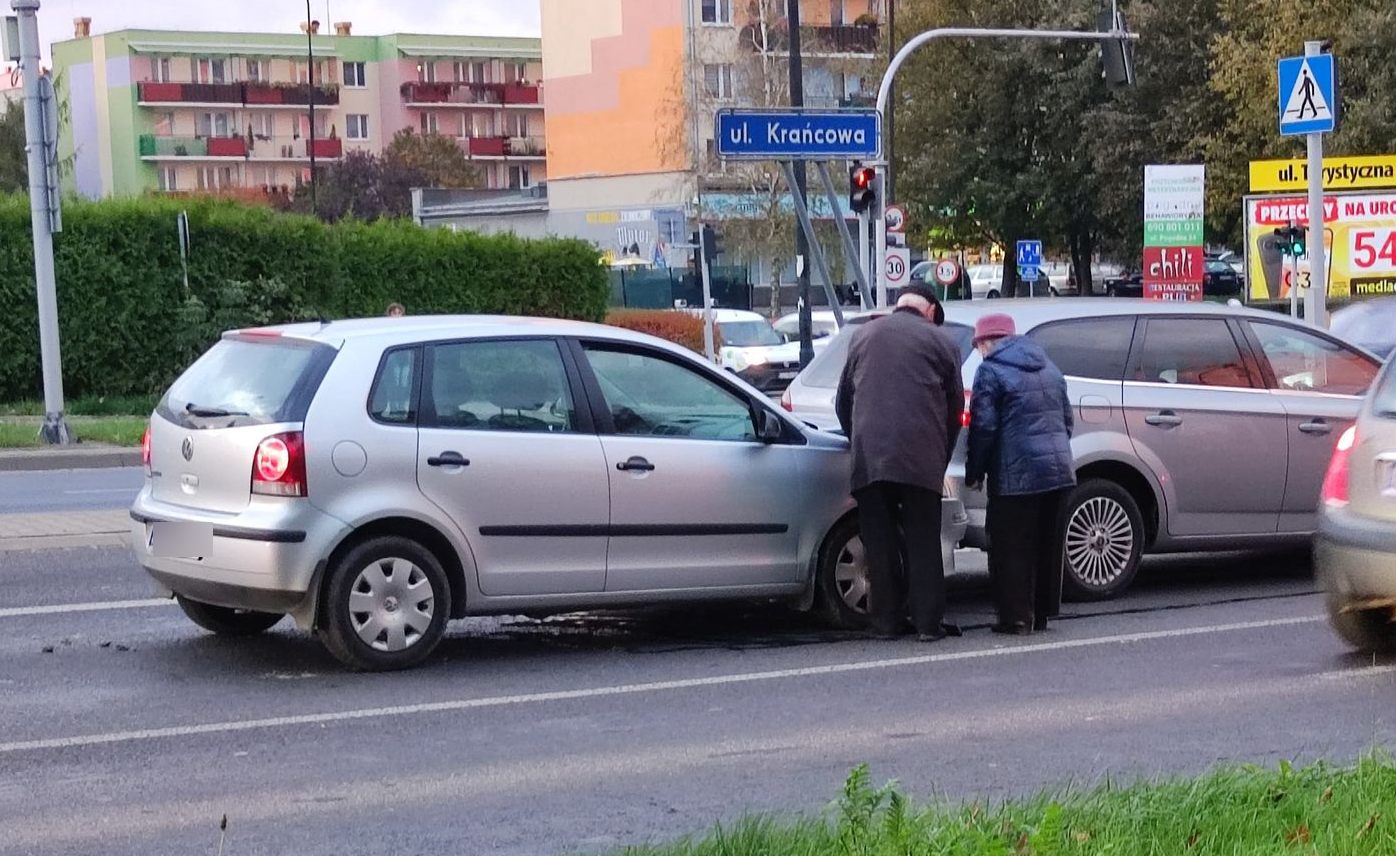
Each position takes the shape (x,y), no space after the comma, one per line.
(769,428)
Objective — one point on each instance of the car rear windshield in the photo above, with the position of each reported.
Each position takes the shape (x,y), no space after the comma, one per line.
(824,371)
(248,382)
(1384,396)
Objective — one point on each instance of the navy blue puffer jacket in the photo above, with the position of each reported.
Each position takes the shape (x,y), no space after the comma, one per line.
(1020,422)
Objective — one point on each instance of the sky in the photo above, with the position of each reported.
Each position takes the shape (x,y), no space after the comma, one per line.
(370,17)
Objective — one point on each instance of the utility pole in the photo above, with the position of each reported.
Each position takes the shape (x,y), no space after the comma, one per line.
(42,205)
(310,75)
(797,99)
(1316,301)
(890,126)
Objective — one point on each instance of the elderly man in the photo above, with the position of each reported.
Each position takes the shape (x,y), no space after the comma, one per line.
(900,401)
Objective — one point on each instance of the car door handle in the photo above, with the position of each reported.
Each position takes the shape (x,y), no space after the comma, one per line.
(1166,419)
(1318,426)
(636,464)
(447,459)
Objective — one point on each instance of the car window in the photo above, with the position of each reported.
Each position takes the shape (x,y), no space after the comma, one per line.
(748,334)
(1384,396)
(393,390)
(1306,362)
(1196,351)
(1089,347)
(500,386)
(651,395)
(252,381)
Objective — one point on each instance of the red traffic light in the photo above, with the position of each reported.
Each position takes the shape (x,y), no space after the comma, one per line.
(863,177)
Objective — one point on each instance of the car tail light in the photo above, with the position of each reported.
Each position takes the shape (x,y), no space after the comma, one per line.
(1335,482)
(964,414)
(278,467)
(786,403)
(145,450)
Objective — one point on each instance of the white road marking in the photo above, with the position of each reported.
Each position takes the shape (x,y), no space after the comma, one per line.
(132,491)
(60,608)
(633,689)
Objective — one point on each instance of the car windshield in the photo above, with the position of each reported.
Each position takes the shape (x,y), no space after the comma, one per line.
(748,334)
(827,366)
(1366,323)
(248,382)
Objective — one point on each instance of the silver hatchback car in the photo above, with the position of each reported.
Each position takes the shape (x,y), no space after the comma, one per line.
(376,478)
(1198,426)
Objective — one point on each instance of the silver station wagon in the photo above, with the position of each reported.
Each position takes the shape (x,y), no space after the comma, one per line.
(1198,426)
(376,478)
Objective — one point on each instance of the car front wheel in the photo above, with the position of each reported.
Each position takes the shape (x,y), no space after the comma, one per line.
(842,581)
(386,605)
(1103,541)
(226,621)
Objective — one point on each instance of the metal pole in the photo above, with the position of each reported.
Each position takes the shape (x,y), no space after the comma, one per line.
(884,94)
(796,173)
(310,75)
(891,115)
(807,227)
(1293,282)
(880,232)
(709,345)
(863,294)
(1316,301)
(865,256)
(55,430)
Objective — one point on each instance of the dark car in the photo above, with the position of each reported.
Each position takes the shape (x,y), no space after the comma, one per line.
(1127,284)
(1368,323)
(1219,279)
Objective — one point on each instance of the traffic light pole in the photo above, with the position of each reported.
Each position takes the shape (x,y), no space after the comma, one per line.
(842,224)
(1316,301)
(1294,280)
(709,343)
(884,94)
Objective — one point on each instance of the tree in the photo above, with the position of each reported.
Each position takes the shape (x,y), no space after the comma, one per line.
(14,161)
(438,159)
(364,186)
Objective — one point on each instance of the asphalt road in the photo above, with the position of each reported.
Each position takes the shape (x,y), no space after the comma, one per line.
(69,490)
(583,733)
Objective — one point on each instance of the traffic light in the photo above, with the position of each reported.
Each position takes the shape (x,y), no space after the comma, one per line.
(1116,55)
(862,188)
(712,244)
(1292,240)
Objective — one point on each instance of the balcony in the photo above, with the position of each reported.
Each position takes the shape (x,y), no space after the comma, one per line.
(227,147)
(524,147)
(861,39)
(256,94)
(152,146)
(487,147)
(329,147)
(504,147)
(470,94)
(155,147)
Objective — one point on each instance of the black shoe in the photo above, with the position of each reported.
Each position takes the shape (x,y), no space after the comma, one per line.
(1013,628)
(1039,625)
(937,635)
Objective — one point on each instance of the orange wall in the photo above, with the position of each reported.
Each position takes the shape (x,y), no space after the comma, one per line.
(813,13)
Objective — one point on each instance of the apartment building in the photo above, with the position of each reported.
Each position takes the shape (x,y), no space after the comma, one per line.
(173,111)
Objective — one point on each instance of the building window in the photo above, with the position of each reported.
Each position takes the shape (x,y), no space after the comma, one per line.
(519,178)
(426,71)
(717,11)
(215,125)
(164,124)
(479,72)
(516,124)
(162,70)
(717,80)
(355,75)
(263,125)
(482,125)
(515,72)
(836,14)
(303,72)
(356,126)
(211,70)
(430,123)
(256,71)
(216,178)
(460,71)
(169,178)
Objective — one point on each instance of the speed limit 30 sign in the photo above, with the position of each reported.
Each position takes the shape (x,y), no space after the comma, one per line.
(898,265)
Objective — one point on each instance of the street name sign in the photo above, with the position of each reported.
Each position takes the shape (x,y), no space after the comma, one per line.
(799,134)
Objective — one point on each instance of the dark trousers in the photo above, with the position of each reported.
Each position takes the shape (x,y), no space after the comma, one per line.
(1025,556)
(899,520)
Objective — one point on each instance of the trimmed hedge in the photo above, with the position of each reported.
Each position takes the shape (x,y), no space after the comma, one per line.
(681,328)
(128,327)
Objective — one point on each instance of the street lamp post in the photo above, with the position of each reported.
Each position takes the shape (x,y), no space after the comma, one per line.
(310,76)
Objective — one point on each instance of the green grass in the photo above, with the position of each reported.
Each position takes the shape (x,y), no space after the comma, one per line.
(20,432)
(1322,809)
(118,405)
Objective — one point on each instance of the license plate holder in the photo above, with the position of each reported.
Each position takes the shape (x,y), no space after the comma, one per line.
(787,375)
(178,540)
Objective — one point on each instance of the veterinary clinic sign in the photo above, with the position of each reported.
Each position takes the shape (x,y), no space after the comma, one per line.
(1359,235)
(1339,173)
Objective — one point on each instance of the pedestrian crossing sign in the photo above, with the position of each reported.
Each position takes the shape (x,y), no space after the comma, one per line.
(1308,95)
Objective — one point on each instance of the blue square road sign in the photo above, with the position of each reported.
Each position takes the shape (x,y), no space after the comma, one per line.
(1308,95)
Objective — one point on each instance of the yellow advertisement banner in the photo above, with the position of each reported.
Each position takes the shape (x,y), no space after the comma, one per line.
(1359,236)
(1339,173)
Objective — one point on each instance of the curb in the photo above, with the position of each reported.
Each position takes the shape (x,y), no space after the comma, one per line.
(99,457)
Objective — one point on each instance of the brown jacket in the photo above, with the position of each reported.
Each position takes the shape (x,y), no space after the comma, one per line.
(900,401)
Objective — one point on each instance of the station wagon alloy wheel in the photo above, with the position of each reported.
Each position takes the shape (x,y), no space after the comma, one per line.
(391,604)
(1099,541)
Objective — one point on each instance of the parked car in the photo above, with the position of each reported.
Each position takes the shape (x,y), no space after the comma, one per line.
(986,281)
(1368,323)
(823,324)
(1198,426)
(752,349)
(1219,279)
(1355,555)
(376,478)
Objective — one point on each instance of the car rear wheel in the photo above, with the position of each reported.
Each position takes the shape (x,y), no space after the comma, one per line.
(842,582)
(1103,541)
(993,294)
(386,605)
(226,621)
(1368,630)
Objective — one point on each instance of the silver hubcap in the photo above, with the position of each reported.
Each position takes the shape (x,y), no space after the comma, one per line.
(391,604)
(851,575)
(1099,541)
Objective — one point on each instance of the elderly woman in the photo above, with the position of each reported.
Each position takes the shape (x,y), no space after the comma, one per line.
(1020,442)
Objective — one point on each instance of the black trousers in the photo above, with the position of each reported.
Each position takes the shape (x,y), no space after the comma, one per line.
(899,520)
(1025,556)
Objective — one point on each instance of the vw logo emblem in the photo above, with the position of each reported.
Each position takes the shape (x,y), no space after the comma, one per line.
(187,449)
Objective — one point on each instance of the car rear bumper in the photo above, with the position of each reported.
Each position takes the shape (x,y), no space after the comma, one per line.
(769,377)
(1356,557)
(264,558)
